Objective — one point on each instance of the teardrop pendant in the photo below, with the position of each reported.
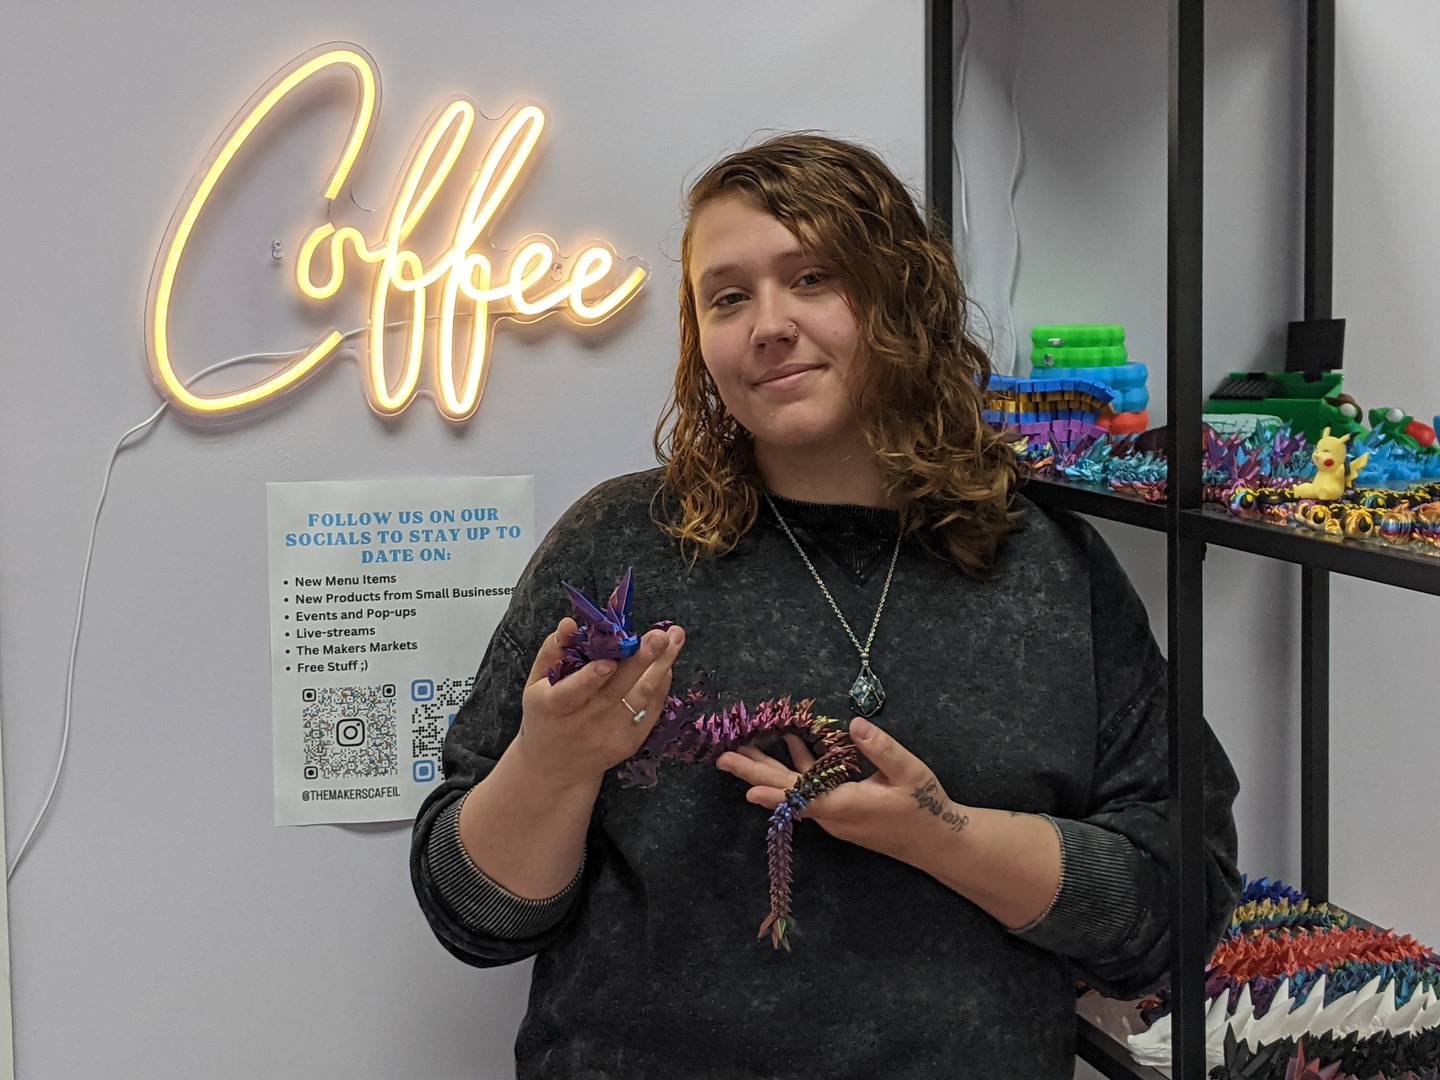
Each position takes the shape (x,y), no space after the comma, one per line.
(866,693)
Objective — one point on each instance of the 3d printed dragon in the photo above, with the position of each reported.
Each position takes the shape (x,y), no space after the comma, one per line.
(692,729)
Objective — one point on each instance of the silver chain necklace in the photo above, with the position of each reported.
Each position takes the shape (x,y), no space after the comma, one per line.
(867,693)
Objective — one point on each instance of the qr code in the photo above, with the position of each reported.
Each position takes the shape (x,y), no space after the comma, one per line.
(436,703)
(349,731)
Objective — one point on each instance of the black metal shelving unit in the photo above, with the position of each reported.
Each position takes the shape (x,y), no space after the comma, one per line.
(1188,526)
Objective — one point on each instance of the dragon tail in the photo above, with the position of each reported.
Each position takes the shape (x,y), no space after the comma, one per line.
(780,846)
(834,767)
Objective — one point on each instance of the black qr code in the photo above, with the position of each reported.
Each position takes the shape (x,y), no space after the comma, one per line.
(350,731)
(435,714)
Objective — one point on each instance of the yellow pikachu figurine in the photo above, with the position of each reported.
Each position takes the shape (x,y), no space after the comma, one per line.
(1332,475)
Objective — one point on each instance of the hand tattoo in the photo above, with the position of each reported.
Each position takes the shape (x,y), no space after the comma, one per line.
(926,799)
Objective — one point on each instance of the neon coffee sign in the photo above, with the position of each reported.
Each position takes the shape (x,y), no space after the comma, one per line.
(457,285)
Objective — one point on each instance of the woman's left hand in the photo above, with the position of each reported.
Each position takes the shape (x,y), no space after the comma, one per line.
(897,811)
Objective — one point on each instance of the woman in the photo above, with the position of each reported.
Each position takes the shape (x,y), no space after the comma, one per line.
(824,463)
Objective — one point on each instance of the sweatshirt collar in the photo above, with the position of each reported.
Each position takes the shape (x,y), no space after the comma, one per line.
(815,515)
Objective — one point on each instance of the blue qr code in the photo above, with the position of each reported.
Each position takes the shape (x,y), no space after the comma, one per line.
(433,718)
(350,731)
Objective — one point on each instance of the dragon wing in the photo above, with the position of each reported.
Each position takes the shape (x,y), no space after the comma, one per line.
(618,605)
(586,613)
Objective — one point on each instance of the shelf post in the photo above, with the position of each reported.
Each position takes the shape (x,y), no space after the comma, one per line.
(1319,157)
(1315,733)
(1185,596)
(1314,582)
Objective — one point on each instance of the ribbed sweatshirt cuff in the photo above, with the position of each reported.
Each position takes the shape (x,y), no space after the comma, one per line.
(477,900)
(1097,906)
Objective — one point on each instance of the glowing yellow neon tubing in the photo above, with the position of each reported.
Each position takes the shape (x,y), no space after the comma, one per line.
(591,267)
(458,270)
(158,323)
(401,270)
(460,403)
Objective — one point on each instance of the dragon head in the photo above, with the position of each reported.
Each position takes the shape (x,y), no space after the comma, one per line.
(607,633)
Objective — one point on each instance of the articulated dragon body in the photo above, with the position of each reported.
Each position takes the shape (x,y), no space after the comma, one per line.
(693,729)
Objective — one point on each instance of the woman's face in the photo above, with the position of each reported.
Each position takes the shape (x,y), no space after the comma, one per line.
(765,308)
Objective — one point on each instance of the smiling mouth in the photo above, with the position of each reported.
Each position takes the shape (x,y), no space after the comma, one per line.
(787,380)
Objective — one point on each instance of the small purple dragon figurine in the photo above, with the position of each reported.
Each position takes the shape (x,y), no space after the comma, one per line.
(692,729)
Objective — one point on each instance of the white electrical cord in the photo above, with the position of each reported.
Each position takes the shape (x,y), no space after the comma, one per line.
(90,550)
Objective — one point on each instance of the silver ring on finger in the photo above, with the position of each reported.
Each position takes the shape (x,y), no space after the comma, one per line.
(636,717)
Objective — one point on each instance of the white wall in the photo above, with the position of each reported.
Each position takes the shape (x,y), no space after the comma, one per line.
(161,926)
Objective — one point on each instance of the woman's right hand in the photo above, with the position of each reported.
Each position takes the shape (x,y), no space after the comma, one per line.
(576,729)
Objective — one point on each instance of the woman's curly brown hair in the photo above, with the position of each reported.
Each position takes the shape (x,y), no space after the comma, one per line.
(919,402)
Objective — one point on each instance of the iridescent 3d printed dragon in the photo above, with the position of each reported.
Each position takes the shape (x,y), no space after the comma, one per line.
(692,729)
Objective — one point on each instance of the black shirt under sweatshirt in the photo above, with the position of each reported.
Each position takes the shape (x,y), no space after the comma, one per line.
(1041,690)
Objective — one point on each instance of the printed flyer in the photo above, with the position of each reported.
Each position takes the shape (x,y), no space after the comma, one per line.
(383,597)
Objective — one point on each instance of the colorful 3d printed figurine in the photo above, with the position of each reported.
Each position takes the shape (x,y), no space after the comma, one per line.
(686,732)
(1055,410)
(1096,353)
(1332,476)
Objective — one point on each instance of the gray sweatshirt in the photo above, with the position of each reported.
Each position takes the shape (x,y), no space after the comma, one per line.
(1041,690)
